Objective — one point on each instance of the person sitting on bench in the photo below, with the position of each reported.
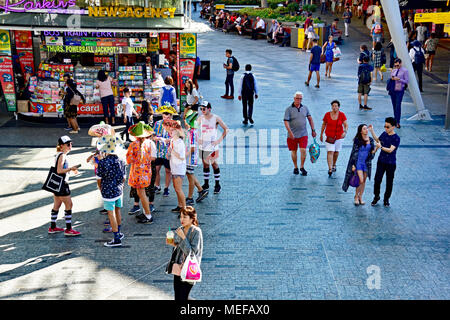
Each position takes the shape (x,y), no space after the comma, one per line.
(259,27)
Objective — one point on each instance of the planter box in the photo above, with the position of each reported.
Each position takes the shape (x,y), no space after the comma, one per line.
(298,35)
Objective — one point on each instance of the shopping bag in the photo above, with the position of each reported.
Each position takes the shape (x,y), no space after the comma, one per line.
(54,181)
(191,269)
(383,68)
(314,151)
(337,52)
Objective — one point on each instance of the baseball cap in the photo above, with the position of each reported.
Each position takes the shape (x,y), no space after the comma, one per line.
(206,104)
(64,140)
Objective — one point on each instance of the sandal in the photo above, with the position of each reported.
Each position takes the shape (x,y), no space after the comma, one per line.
(361,202)
(330,172)
(356,202)
(334,169)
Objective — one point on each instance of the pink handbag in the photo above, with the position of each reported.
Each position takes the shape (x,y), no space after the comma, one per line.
(176,269)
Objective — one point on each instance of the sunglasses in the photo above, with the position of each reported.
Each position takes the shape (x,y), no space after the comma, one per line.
(387,127)
(396,65)
(202,109)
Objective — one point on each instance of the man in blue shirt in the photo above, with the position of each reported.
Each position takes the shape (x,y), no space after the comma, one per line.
(314,62)
(364,80)
(387,161)
(228,66)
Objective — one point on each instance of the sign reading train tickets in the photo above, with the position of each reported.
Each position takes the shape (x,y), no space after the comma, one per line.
(132,12)
(97,50)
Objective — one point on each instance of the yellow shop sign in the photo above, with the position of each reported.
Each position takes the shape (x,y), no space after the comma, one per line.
(132,12)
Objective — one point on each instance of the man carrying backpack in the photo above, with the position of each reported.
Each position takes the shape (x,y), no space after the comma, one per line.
(231,66)
(364,80)
(246,90)
(417,55)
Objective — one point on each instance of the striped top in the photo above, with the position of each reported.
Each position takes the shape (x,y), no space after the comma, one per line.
(161,148)
(191,141)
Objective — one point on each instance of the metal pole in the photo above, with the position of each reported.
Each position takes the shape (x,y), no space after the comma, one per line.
(447,115)
(391,10)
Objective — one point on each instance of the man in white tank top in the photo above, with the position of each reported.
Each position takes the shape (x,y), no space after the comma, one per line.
(208,143)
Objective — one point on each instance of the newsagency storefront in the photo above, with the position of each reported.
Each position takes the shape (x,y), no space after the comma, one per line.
(137,42)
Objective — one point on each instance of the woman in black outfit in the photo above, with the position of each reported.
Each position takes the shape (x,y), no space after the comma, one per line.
(71,110)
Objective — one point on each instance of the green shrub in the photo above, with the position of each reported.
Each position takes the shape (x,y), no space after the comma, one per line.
(293,7)
(310,7)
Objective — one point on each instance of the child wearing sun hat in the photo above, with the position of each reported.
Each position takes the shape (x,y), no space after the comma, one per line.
(111,174)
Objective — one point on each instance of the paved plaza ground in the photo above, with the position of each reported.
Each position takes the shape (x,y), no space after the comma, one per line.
(269,234)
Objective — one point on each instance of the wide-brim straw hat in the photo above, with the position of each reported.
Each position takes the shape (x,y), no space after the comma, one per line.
(110,145)
(172,124)
(167,109)
(141,130)
(100,130)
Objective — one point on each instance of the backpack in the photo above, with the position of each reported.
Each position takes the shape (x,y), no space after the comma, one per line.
(419,57)
(364,76)
(377,28)
(235,65)
(167,96)
(248,84)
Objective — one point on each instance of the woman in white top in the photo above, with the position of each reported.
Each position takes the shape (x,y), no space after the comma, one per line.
(415,53)
(430,47)
(103,83)
(63,196)
(192,96)
(177,152)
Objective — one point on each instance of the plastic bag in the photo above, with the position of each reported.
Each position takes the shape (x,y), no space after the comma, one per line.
(314,151)
(191,269)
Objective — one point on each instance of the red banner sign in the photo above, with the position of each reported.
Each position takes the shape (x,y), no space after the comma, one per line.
(26,60)
(7,81)
(187,67)
(24,39)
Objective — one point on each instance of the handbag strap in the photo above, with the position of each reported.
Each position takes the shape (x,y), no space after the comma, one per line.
(57,158)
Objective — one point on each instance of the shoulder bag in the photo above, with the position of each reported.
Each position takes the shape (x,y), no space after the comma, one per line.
(76,99)
(390,85)
(54,181)
(332,140)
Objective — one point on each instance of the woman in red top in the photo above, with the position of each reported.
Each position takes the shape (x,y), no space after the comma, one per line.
(335,126)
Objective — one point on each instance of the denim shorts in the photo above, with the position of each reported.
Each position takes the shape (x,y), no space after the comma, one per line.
(110,205)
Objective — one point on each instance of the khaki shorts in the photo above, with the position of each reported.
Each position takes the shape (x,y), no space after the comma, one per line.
(363,88)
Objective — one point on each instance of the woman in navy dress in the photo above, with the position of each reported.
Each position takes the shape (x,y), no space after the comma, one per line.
(363,151)
(327,49)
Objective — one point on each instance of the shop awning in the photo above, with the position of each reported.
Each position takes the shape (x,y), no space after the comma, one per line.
(188,27)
